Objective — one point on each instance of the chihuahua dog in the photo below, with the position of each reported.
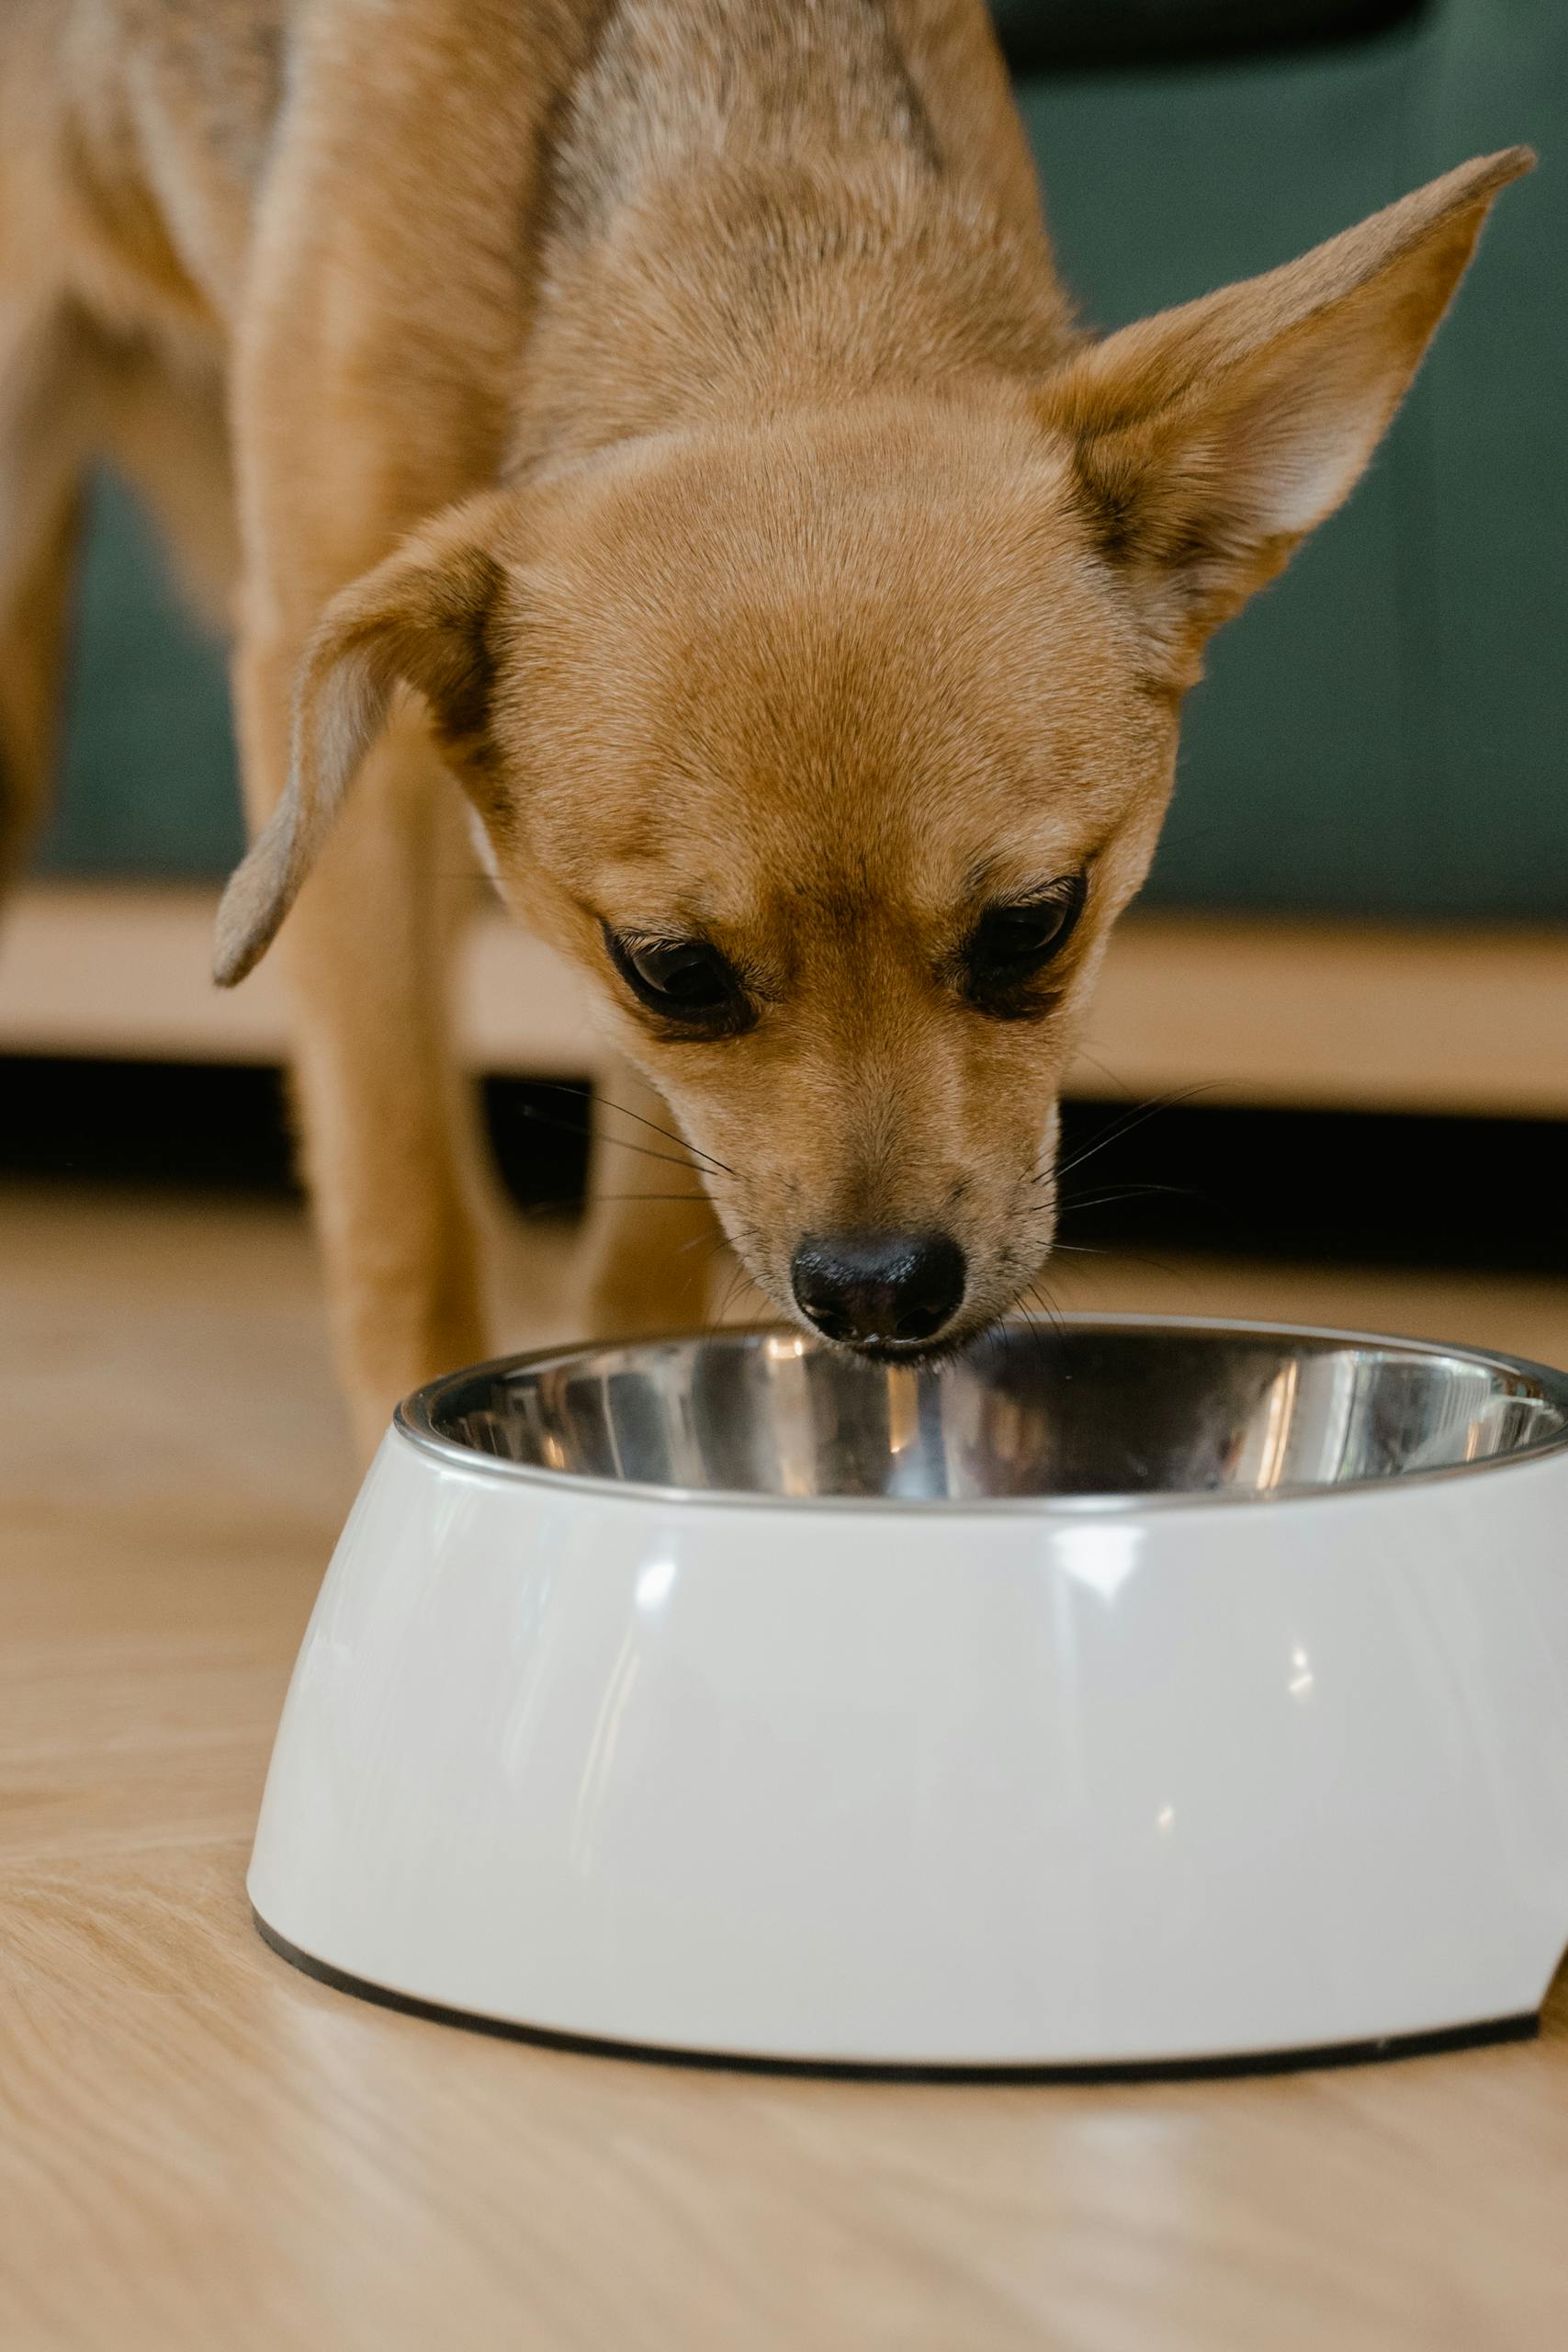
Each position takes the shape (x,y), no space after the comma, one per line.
(659,424)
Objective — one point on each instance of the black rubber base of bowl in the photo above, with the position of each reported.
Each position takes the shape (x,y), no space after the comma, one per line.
(1524,2028)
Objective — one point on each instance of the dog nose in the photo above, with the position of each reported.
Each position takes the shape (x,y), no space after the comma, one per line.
(862,1286)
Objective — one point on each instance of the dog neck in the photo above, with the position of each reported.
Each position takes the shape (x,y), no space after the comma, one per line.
(749,209)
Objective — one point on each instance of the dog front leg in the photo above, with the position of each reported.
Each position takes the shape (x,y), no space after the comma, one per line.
(384,1118)
(42,448)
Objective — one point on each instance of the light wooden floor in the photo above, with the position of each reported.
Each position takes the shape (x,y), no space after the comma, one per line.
(200,2148)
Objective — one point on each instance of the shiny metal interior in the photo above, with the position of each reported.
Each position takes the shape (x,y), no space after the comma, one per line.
(1089,1408)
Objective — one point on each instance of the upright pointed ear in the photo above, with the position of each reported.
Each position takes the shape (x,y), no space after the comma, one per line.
(1208,441)
(423,619)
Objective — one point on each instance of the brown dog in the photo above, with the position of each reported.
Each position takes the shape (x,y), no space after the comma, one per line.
(807,609)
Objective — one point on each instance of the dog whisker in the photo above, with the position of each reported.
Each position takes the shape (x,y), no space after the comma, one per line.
(670,1134)
(715,1242)
(1032,1324)
(700,1265)
(1128,1121)
(1045,1303)
(707,1158)
(1130,1193)
(666,1200)
(589,1202)
(739,1276)
(563,1127)
(1105,1070)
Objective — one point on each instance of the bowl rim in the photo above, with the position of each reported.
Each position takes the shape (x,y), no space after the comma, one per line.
(413,1421)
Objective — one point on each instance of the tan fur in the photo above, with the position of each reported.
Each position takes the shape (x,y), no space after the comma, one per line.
(663,418)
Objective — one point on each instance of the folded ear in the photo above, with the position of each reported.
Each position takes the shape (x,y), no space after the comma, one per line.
(421,618)
(1208,441)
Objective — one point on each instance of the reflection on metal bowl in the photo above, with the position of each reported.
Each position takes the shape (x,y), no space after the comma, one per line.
(1106,1409)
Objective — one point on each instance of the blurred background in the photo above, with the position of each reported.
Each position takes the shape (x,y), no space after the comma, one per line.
(1328,1070)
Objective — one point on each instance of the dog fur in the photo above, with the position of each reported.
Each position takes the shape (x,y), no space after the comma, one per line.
(660,423)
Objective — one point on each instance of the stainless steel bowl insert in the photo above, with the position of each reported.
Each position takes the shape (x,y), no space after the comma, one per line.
(1116,1408)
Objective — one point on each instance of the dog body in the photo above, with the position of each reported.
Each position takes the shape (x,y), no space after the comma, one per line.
(662,420)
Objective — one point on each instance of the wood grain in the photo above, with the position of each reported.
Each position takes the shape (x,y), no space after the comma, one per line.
(200,2148)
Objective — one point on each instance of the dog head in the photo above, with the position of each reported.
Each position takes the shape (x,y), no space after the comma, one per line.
(834,745)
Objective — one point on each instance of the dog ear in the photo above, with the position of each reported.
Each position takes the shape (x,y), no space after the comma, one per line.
(1208,441)
(421,618)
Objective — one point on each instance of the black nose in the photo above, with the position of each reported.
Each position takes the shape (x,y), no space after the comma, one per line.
(887,1286)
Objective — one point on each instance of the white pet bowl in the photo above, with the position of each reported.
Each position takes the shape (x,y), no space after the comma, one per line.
(1129,1694)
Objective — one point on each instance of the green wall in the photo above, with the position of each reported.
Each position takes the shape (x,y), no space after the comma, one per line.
(1381,732)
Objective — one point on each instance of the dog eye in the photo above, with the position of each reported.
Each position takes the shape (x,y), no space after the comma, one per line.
(686,980)
(1010,943)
